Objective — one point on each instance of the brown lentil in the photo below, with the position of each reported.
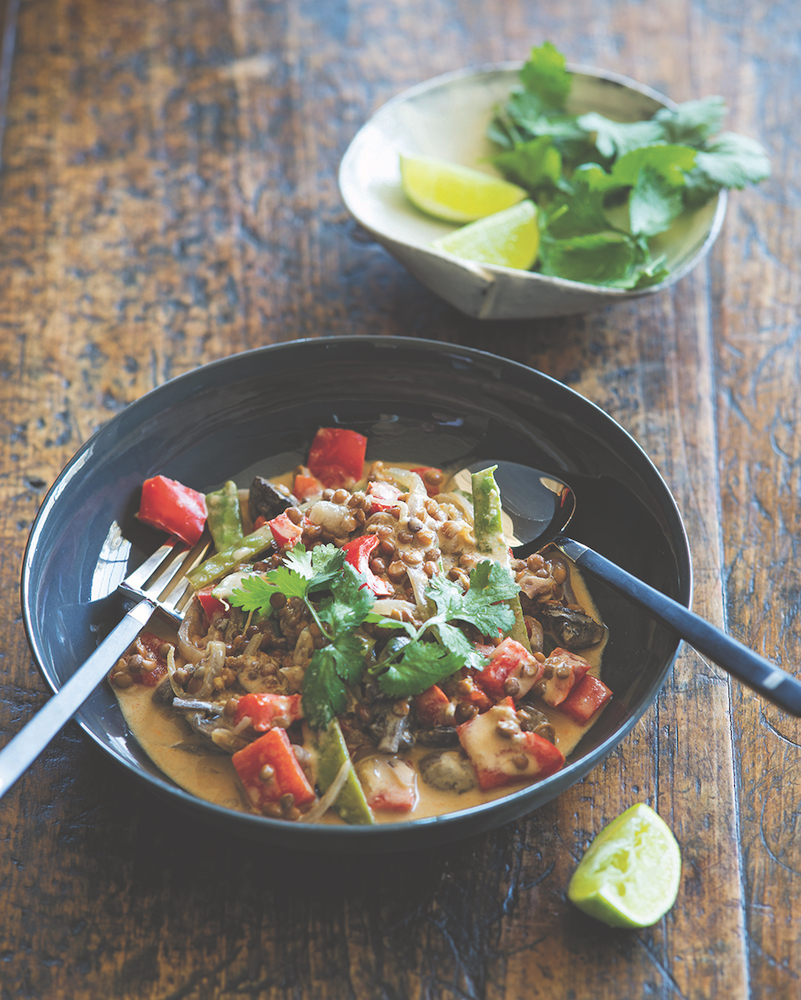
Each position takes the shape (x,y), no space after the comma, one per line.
(396,571)
(511,686)
(450,529)
(286,801)
(405,537)
(520,761)
(425,539)
(295,514)
(327,494)
(230,708)
(387,547)
(563,672)
(429,568)
(412,558)
(378,566)
(267,773)
(507,728)
(363,712)
(401,708)
(340,496)
(465,711)
(122,679)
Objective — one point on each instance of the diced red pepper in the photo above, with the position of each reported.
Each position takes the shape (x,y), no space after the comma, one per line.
(509,659)
(268,710)
(173,507)
(306,487)
(285,531)
(585,699)
(432,479)
(382,496)
(211,605)
(260,521)
(388,783)
(468,691)
(357,553)
(557,688)
(500,759)
(336,456)
(269,769)
(431,704)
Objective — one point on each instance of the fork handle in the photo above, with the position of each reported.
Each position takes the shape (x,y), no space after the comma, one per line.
(20,752)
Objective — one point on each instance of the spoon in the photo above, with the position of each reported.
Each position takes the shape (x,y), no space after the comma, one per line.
(538,506)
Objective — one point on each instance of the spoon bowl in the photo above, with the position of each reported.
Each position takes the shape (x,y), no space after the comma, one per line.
(538,507)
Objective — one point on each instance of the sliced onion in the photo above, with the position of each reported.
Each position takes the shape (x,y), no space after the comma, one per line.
(324,803)
(186,641)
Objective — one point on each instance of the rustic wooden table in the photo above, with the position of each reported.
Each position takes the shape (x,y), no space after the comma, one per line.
(169,197)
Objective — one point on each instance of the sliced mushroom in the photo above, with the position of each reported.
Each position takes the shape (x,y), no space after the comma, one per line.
(573,628)
(264,500)
(448,771)
(438,736)
(390,731)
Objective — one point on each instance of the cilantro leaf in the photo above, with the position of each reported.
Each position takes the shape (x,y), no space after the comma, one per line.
(545,75)
(668,161)
(300,561)
(490,582)
(531,164)
(423,664)
(349,604)
(618,138)
(324,692)
(606,258)
(733,161)
(653,203)
(255,591)
(693,122)
(456,641)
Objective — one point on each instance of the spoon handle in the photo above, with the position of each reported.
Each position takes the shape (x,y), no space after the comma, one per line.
(743,663)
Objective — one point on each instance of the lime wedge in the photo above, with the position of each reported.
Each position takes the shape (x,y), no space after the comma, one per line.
(510,238)
(453,192)
(629,876)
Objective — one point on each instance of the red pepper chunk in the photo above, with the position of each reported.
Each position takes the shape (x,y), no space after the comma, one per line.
(561,672)
(585,699)
(431,704)
(150,645)
(382,496)
(336,456)
(306,487)
(509,659)
(499,760)
(285,531)
(266,711)
(173,507)
(357,553)
(269,769)
(211,605)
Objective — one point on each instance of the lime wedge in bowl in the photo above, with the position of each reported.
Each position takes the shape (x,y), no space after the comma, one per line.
(629,876)
(455,193)
(510,238)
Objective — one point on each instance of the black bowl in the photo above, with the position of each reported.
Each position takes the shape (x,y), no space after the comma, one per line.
(416,400)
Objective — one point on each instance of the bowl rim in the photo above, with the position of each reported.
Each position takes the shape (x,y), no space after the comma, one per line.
(383,836)
(487,69)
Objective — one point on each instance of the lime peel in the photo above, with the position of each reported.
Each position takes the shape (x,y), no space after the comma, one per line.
(508,239)
(454,192)
(629,876)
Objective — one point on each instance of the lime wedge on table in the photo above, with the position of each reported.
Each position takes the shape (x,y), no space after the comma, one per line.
(630,874)
(510,238)
(453,192)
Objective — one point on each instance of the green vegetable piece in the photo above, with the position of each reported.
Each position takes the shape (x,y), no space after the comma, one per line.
(546,76)
(490,539)
(225,516)
(332,753)
(218,565)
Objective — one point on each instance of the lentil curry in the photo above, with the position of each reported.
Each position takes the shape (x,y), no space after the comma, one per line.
(363,648)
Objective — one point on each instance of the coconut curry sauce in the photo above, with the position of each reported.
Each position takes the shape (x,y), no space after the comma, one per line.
(359,658)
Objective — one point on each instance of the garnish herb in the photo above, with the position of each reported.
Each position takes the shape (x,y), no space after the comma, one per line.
(342,603)
(605,188)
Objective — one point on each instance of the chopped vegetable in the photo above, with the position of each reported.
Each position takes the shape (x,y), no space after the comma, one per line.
(560,674)
(511,666)
(285,531)
(268,710)
(218,565)
(211,605)
(431,705)
(501,753)
(306,487)
(336,456)
(331,753)
(266,500)
(586,698)
(269,770)
(358,554)
(388,782)
(173,507)
(225,516)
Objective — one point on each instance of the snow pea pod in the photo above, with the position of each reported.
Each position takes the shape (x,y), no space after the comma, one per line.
(225,516)
(247,549)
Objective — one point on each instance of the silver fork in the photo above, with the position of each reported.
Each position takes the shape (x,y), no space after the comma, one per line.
(159,584)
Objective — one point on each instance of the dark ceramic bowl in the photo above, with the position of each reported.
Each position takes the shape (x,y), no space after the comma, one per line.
(416,400)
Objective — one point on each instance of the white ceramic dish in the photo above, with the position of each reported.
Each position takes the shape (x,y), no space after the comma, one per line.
(447,117)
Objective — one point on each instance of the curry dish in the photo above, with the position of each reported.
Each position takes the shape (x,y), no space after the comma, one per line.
(362,647)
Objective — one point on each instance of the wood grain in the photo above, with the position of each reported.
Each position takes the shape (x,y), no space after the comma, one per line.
(169,197)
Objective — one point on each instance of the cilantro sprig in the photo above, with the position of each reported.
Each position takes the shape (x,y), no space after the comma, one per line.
(606,188)
(339,602)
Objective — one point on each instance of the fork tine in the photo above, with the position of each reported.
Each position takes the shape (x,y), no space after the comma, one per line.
(162,577)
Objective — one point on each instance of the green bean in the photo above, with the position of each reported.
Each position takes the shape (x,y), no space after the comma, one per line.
(248,548)
(490,538)
(332,753)
(225,516)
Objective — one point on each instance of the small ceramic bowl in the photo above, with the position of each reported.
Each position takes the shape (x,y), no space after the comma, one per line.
(447,117)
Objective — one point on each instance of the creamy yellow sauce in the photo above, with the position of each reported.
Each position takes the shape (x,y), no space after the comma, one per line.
(188,760)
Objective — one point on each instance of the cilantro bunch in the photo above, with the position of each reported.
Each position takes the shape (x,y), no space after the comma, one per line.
(606,188)
(340,603)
